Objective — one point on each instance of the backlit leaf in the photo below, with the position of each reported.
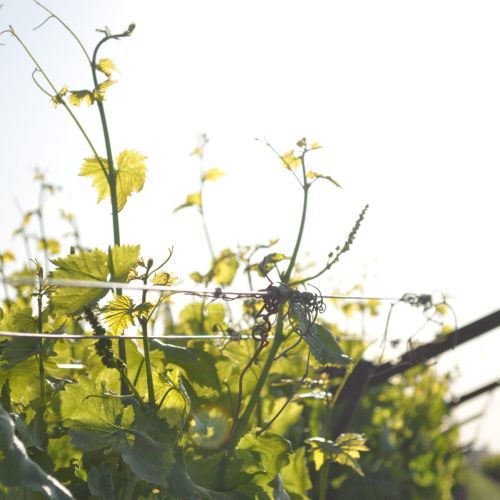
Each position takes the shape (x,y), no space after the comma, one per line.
(315,175)
(345,450)
(225,267)
(124,260)
(295,475)
(315,145)
(58,98)
(76,97)
(86,408)
(99,93)
(51,246)
(192,200)
(86,266)
(290,161)
(106,66)
(213,174)
(92,168)
(273,451)
(130,176)
(119,313)
(7,256)
(269,261)
(164,279)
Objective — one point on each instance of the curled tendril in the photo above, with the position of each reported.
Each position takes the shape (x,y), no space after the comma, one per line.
(308,305)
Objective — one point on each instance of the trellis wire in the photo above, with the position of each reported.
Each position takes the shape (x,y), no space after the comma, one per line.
(70,336)
(217,293)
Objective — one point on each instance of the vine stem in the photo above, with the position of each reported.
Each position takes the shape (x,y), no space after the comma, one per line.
(62,102)
(279,329)
(41,364)
(147,358)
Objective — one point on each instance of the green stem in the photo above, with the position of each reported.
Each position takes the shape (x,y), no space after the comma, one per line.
(62,102)
(147,361)
(278,334)
(111,177)
(109,154)
(298,241)
(147,358)
(325,470)
(41,365)
(243,422)
(78,41)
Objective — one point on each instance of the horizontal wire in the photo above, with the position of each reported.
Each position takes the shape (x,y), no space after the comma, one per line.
(217,293)
(70,336)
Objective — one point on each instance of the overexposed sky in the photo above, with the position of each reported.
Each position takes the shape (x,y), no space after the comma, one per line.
(403,96)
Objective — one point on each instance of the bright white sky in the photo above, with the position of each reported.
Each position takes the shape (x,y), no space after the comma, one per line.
(402,95)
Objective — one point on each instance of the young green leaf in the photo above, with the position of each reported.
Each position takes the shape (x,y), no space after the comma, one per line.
(99,93)
(273,451)
(92,168)
(295,475)
(212,174)
(124,259)
(86,266)
(163,279)
(225,267)
(119,313)
(131,175)
(315,175)
(90,414)
(106,66)
(290,161)
(269,261)
(192,200)
(345,450)
(76,97)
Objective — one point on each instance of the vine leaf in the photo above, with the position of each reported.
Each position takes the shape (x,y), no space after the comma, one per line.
(86,266)
(91,415)
(119,313)
(224,267)
(76,97)
(345,450)
(192,200)
(290,161)
(124,259)
(325,349)
(106,66)
(273,453)
(198,365)
(163,279)
(295,475)
(212,174)
(268,262)
(315,175)
(130,175)
(99,93)
(17,469)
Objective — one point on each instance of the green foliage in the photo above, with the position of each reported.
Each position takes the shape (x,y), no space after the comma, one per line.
(130,175)
(197,418)
(413,448)
(18,470)
(490,464)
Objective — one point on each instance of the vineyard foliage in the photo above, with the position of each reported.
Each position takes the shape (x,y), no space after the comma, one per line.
(246,416)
